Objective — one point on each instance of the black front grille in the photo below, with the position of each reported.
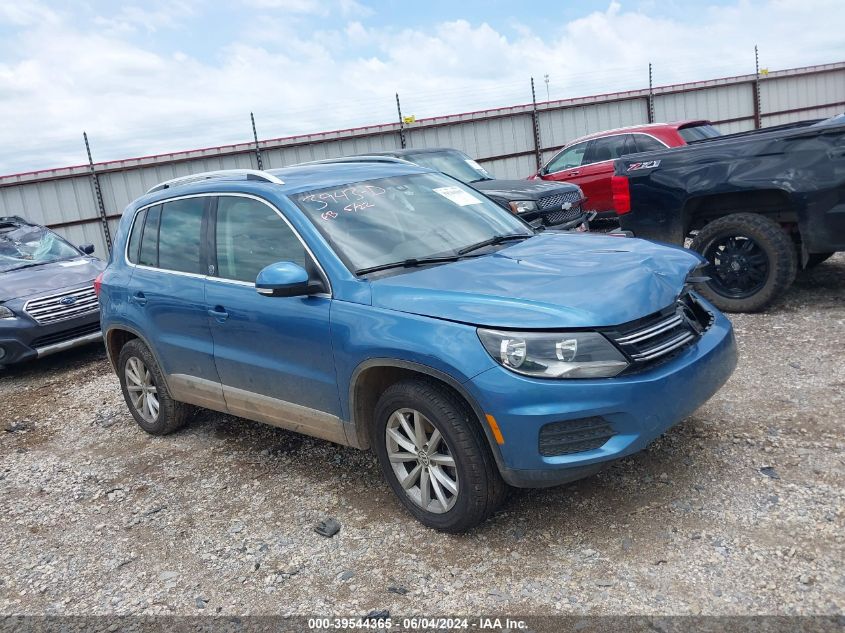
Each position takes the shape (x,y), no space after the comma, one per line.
(558,200)
(66,335)
(574,436)
(552,218)
(659,335)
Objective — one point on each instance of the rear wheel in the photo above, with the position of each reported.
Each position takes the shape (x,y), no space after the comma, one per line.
(146,392)
(435,457)
(751,260)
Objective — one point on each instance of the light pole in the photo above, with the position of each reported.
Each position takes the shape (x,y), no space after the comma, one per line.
(546,79)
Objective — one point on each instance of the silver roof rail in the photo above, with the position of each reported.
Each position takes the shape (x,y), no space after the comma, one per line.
(223,174)
(365,158)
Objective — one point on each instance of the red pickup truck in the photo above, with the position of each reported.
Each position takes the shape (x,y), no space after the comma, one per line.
(588,161)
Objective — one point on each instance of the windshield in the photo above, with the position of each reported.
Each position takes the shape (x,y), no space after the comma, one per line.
(699,132)
(389,220)
(453,163)
(22,246)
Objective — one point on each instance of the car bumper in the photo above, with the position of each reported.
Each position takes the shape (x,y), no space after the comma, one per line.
(22,339)
(639,408)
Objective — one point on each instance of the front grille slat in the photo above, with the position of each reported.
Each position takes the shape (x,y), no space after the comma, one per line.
(643,335)
(659,335)
(665,348)
(51,309)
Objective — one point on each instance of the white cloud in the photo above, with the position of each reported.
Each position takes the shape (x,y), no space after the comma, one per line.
(298,76)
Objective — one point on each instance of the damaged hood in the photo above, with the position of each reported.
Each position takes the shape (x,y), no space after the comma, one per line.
(550,281)
(46,278)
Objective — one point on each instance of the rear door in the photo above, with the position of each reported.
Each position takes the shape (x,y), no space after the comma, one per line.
(273,354)
(167,296)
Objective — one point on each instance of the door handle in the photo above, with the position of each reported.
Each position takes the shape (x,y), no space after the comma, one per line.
(139,297)
(573,173)
(219,313)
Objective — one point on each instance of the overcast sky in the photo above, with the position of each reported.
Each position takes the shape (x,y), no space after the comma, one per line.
(159,76)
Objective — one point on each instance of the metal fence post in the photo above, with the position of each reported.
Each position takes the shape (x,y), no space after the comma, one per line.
(95,182)
(401,122)
(758,122)
(255,136)
(650,96)
(535,118)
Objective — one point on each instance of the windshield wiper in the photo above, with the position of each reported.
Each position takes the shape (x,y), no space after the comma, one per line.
(30,265)
(496,239)
(482,179)
(408,263)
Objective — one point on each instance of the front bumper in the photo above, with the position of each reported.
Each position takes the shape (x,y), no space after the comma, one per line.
(23,339)
(639,407)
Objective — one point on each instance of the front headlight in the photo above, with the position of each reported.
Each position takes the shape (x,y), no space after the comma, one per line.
(523,206)
(5,313)
(554,355)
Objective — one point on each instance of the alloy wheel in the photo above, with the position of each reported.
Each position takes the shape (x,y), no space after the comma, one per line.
(422,461)
(738,266)
(142,389)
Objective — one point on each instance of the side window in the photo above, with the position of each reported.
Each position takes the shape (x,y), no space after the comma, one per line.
(568,158)
(180,235)
(646,143)
(249,236)
(607,148)
(135,237)
(149,242)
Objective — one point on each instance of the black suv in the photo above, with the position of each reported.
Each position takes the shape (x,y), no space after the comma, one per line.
(554,204)
(47,299)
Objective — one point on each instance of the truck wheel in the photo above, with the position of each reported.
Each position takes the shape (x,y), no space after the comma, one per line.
(434,455)
(817,258)
(751,260)
(146,393)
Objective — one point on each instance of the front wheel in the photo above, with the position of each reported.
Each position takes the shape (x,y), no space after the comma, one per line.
(750,261)
(435,457)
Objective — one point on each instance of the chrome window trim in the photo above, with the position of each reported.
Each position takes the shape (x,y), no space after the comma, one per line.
(214,277)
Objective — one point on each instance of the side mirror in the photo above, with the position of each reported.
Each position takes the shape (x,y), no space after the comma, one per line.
(282,279)
(87,249)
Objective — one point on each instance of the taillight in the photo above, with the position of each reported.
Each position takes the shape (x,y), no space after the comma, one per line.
(621,194)
(98,284)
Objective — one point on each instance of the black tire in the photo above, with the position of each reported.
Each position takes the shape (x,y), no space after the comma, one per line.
(817,258)
(480,490)
(751,261)
(171,415)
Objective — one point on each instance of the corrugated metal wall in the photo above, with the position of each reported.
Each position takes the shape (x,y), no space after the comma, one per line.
(502,139)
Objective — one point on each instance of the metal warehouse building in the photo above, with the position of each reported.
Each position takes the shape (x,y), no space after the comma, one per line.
(511,142)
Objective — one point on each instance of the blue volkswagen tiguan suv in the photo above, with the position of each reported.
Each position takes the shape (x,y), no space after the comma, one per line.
(387,306)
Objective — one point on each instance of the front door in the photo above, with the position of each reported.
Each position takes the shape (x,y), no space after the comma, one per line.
(273,354)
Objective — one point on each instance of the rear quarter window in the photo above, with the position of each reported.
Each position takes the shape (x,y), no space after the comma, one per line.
(133,248)
(148,255)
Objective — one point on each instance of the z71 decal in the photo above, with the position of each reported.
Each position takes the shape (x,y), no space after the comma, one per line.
(646,165)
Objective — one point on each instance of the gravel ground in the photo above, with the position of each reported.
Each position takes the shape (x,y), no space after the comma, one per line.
(738,510)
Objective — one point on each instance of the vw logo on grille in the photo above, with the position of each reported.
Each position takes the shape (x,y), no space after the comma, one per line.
(67,301)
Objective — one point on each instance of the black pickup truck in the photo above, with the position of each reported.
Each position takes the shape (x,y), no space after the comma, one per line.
(758,206)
